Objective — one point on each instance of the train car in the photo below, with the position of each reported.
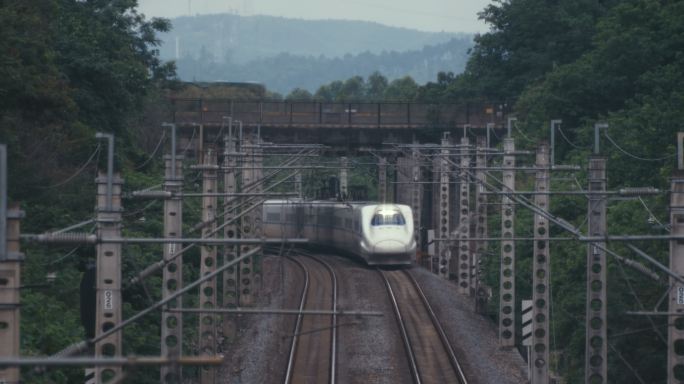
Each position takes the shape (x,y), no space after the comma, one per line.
(379,234)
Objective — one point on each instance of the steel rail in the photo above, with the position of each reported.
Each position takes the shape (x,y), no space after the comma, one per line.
(298,323)
(404,334)
(440,330)
(333,344)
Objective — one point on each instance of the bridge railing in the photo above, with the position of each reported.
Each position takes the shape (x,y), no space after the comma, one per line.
(359,115)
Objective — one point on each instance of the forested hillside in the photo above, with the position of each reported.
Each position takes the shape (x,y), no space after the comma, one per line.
(285,71)
(241,39)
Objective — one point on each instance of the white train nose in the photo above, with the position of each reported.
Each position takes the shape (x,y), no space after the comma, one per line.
(389,246)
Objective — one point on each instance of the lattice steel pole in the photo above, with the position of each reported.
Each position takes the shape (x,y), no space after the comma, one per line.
(675,334)
(10,276)
(507,301)
(596,370)
(382,180)
(172,279)
(230,231)
(541,272)
(480,225)
(207,293)
(108,282)
(444,247)
(464,262)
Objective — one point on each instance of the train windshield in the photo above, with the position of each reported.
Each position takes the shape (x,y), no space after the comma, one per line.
(390,218)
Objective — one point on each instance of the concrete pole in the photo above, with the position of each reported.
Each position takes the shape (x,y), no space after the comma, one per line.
(10,281)
(480,226)
(443,228)
(248,226)
(416,195)
(675,334)
(507,301)
(464,256)
(382,180)
(108,282)
(172,278)
(230,276)
(596,342)
(208,263)
(541,272)
(10,276)
(344,163)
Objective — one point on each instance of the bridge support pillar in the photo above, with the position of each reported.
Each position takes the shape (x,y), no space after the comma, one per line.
(207,294)
(541,273)
(507,300)
(596,342)
(172,276)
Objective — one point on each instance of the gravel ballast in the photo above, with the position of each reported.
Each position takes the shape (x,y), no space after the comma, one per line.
(369,349)
(473,336)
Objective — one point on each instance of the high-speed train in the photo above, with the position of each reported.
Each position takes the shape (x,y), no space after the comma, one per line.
(380,234)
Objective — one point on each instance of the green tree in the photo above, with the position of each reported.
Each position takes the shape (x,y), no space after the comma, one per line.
(376,86)
(299,94)
(403,89)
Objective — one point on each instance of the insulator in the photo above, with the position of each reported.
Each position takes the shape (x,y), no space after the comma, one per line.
(639,191)
(566,167)
(152,194)
(69,238)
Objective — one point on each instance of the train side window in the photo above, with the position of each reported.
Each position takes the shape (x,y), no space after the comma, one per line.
(347,223)
(273,217)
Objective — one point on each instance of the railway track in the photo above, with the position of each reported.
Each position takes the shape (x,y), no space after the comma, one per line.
(314,343)
(430,356)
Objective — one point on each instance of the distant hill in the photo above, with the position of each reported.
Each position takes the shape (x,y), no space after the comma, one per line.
(284,54)
(240,39)
(284,72)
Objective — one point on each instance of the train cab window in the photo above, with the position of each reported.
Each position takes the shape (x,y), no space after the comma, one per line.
(390,218)
(347,223)
(273,217)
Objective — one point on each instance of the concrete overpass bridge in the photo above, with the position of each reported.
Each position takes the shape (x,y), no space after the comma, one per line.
(347,124)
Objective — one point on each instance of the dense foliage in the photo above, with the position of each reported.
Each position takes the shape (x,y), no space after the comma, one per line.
(70,69)
(586,61)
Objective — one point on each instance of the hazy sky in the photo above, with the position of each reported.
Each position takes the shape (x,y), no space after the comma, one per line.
(427,15)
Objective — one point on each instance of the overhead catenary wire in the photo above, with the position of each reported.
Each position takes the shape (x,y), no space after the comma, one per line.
(560,130)
(154,152)
(605,133)
(515,125)
(666,227)
(78,172)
